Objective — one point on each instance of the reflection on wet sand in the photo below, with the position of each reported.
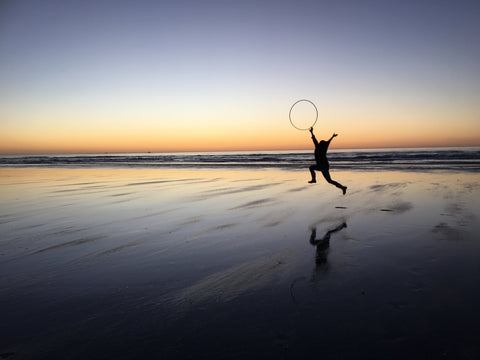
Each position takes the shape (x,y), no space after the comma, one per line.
(226,285)
(321,258)
(323,246)
(216,264)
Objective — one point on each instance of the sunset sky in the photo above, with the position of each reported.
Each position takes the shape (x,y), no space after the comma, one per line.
(123,76)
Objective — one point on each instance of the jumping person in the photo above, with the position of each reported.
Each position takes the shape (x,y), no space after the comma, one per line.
(322,162)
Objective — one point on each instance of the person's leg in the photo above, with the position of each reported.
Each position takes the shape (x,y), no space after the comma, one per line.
(312,172)
(326,175)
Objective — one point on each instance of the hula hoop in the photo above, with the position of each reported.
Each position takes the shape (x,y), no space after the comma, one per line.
(290,115)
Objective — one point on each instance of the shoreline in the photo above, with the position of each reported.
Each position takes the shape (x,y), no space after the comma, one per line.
(421,160)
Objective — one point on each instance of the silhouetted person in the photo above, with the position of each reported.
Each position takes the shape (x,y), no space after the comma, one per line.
(322,162)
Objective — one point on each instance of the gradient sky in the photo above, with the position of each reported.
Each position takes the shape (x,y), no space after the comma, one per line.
(104,76)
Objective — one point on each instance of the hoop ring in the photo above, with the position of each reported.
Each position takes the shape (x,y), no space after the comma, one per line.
(290,115)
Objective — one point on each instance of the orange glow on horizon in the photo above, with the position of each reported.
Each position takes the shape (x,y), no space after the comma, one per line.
(358,129)
(118,143)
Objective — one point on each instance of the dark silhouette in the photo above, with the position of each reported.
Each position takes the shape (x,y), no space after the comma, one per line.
(321,258)
(322,162)
(323,244)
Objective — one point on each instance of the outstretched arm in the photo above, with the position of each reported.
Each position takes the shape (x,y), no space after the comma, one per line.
(334,135)
(313,137)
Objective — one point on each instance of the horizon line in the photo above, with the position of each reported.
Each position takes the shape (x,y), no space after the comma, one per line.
(56,152)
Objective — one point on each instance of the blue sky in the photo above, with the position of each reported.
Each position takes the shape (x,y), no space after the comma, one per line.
(175,67)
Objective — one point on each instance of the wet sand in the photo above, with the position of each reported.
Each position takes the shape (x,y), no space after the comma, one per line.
(236,264)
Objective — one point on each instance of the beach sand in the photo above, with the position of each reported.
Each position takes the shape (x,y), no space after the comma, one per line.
(236,264)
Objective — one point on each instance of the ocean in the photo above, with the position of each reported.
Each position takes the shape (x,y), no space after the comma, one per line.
(413,159)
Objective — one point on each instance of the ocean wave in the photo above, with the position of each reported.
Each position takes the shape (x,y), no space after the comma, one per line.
(456,159)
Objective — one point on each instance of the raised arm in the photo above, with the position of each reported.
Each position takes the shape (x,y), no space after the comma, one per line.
(313,137)
(334,135)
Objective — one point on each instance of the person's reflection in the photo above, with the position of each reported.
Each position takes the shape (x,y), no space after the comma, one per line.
(323,246)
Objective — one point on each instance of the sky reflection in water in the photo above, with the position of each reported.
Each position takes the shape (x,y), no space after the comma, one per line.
(227,254)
